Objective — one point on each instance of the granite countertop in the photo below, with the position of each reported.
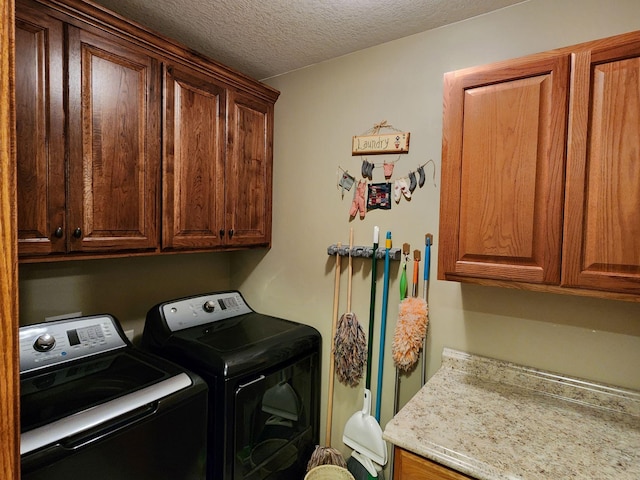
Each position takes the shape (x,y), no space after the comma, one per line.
(495,420)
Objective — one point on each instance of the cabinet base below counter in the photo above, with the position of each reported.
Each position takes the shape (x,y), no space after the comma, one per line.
(409,466)
(494,420)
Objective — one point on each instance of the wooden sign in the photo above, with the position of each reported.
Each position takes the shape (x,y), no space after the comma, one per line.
(380,144)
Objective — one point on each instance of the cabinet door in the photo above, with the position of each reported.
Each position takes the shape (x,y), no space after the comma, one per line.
(503,155)
(40,148)
(602,219)
(408,466)
(114,139)
(249,171)
(193,160)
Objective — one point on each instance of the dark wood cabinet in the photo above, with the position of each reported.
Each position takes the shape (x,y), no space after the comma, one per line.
(249,171)
(114,153)
(193,160)
(129,143)
(40,133)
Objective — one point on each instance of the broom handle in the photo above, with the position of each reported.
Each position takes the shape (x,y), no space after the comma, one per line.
(336,297)
(372,306)
(350,271)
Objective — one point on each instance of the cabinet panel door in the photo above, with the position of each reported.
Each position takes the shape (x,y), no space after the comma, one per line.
(602,221)
(40,148)
(114,152)
(193,163)
(503,158)
(408,466)
(249,171)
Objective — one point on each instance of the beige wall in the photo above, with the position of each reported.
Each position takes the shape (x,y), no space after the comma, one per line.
(126,288)
(319,110)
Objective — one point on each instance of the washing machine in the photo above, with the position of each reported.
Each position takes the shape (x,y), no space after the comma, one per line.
(263,374)
(94,407)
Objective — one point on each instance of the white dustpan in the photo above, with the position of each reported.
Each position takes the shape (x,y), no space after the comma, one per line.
(363,433)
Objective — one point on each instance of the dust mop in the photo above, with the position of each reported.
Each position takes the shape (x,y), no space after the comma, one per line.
(350,343)
(411,326)
(362,432)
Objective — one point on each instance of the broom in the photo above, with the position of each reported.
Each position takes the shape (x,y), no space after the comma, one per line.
(327,455)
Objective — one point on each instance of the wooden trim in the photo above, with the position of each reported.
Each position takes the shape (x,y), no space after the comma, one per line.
(9,376)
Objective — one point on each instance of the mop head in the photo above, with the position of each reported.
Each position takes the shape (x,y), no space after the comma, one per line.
(350,350)
(411,328)
(326,456)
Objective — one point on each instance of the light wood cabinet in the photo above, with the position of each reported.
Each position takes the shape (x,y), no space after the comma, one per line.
(131,144)
(409,466)
(602,211)
(540,172)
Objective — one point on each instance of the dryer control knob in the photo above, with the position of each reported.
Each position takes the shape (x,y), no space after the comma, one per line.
(44,342)
(209,306)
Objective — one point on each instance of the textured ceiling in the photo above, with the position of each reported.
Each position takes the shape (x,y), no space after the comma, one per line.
(265,38)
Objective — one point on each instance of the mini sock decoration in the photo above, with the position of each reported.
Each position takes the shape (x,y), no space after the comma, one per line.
(412,181)
(346,182)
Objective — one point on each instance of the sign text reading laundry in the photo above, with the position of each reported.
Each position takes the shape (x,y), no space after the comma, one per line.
(380,144)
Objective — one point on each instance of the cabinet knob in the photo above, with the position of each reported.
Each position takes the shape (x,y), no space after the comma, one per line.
(221,232)
(230,233)
(58,233)
(77,233)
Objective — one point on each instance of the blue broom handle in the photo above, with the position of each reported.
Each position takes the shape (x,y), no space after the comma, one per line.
(383,325)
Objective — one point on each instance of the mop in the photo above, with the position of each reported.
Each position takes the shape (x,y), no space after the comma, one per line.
(327,455)
(349,340)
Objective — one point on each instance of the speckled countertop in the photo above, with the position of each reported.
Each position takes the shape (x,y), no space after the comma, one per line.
(495,420)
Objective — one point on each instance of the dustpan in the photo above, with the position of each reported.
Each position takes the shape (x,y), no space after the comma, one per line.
(281,400)
(363,433)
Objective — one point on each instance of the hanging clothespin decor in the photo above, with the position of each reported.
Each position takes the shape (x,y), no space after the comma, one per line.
(376,142)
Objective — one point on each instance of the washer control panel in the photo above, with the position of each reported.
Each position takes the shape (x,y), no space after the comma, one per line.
(203,309)
(57,342)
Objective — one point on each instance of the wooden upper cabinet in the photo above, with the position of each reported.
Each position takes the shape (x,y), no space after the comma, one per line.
(193,164)
(602,214)
(503,154)
(249,171)
(40,137)
(541,171)
(129,143)
(114,151)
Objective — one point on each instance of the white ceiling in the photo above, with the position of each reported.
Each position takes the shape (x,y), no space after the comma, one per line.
(265,38)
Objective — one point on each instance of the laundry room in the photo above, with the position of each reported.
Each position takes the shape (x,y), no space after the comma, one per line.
(324,225)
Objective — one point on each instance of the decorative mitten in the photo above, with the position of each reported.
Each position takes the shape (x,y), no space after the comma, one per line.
(400,188)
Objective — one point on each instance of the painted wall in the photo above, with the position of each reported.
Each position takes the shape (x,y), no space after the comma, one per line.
(323,106)
(126,288)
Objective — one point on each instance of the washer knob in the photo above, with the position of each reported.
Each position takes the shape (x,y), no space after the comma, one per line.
(209,306)
(44,342)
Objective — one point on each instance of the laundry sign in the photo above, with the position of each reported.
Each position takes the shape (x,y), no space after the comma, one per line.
(379,144)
